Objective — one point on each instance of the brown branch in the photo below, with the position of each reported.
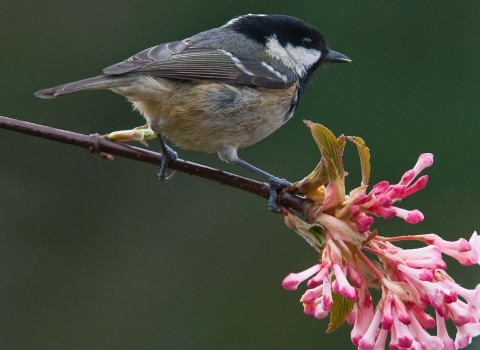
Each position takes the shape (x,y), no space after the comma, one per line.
(106,148)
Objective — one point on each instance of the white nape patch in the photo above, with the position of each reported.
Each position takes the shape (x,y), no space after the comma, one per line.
(274,71)
(237,62)
(236,19)
(298,58)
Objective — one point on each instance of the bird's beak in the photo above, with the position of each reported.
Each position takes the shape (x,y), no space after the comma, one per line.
(335,57)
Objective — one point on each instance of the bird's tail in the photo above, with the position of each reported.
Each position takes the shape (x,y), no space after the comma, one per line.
(104,81)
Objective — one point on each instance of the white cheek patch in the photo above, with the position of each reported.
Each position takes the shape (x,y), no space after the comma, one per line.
(276,50)
(303,56)
(298,58)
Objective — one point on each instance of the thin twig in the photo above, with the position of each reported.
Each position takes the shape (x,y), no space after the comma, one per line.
(106,148)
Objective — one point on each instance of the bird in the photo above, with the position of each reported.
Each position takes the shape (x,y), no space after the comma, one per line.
(219,90)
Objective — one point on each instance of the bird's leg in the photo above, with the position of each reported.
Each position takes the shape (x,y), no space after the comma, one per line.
(168,155)
(274,183)
(230,154)
(140,134)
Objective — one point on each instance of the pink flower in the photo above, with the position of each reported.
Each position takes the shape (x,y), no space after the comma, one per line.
(410,280)
(468,257)
(367,341)
(344,287)
(379,201)
(365,317)
(292,281)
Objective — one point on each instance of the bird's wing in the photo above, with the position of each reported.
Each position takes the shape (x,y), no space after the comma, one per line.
(182,60)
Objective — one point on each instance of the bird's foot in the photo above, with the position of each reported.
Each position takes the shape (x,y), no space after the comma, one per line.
(168,155)
(140,134)
(275,183)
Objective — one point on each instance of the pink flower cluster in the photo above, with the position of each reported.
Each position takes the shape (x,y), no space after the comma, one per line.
(380,199)
(416,292)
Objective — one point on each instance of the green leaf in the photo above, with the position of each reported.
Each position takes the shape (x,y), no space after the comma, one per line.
(314,180)
(332,151)
(364,154)
(341,308)
(319,175)
(318,234)
(313,234)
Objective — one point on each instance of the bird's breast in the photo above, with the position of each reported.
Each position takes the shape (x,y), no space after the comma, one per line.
(207,116)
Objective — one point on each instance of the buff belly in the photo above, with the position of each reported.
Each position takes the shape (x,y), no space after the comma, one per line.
(206,116)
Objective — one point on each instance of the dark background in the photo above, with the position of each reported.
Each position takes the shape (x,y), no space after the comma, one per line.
(100,255)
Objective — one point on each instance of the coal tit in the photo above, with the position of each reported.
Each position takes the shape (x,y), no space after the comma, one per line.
(219,90)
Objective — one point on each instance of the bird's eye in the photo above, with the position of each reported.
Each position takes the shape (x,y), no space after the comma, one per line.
(307,42)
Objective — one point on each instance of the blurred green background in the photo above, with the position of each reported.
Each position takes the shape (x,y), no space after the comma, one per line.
(100,255)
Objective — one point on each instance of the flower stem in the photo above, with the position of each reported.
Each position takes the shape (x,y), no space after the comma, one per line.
(403,238)
(368,263)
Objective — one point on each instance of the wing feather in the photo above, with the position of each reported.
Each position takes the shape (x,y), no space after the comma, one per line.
(184,60)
